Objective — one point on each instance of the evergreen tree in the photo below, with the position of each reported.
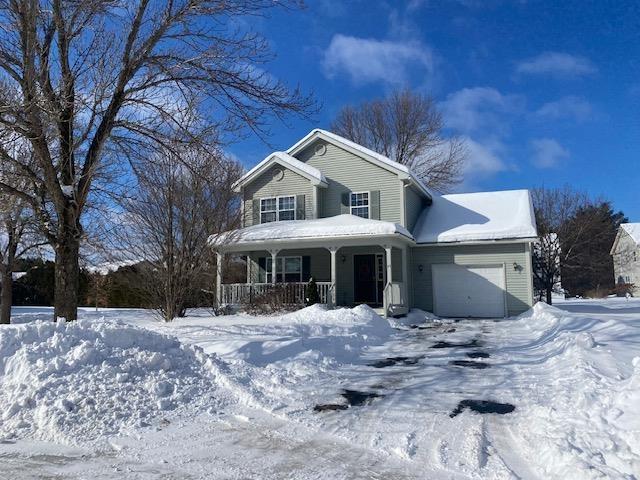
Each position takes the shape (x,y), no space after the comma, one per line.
(311,293)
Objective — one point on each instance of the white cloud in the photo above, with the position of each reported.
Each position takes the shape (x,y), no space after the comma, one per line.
(367,60)
(472,109)
(557,64)
(547,153)
(483,158)
(566,107)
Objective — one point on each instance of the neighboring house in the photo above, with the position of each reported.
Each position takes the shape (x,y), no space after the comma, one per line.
(626,254)
(369,231)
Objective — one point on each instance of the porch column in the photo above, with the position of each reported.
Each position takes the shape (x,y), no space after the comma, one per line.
(387,250)
(274,256)
(249,268)
(389,266)
(405,277)
(334,293)
(219,261)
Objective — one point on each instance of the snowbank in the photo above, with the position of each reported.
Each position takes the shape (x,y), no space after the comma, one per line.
(74,382)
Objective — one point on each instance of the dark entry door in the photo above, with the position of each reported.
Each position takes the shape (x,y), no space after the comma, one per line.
(365,282)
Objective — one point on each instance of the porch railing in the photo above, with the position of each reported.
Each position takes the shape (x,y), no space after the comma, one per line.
(395,298)
(292,293)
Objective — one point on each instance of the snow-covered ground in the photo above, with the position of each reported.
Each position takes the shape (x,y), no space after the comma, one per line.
(323,394)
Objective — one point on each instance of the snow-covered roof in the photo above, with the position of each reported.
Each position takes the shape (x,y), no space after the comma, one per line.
(381,159)
(633,229)
(478,216)
(313,174)
(330,227)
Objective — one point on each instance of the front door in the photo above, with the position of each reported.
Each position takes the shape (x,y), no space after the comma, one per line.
(365,281)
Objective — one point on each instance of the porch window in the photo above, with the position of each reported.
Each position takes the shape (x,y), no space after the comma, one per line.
(360,204)
(277,208)
(289,269)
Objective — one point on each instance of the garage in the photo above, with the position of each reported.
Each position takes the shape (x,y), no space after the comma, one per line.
(468,290)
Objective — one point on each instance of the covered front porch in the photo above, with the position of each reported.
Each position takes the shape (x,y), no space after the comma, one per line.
(349,270)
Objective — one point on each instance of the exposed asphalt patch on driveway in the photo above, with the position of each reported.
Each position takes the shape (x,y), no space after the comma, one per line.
(391,361)
(483,406)
(469,364)
(354,398)
(471,344)
(478,354)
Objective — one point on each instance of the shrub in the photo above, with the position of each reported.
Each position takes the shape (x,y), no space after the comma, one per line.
(311,296)
(622,289)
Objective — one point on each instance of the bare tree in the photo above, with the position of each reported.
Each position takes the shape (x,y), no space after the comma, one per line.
(91,83)
(563,233)
(180,202)
(408,128)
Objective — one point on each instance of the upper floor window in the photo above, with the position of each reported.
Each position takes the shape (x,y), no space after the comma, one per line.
(277,208)
(360,204)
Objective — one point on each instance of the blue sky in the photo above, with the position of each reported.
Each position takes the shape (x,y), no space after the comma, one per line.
(543,92)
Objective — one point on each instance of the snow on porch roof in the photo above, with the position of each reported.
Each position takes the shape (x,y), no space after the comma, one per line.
(339,226)
(477,216)
(286,160)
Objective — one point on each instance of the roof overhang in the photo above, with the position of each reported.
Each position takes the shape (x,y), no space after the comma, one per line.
(479,242)
(396,240)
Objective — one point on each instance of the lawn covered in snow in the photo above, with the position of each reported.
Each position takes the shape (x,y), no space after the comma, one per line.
(323,394)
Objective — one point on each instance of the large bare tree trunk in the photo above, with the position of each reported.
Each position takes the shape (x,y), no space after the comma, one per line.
(67,269)
(549,290)
(6,298)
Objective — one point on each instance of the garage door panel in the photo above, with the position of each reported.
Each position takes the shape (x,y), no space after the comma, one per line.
(468,291)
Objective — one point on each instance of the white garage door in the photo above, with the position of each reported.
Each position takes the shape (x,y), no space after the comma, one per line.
(468,291)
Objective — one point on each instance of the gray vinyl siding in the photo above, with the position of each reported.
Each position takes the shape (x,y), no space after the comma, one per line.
(519,295)
(265,186)
(319,264)
(414,205)
(346,172)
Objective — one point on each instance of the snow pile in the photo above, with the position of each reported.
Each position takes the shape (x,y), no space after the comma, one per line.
(585,413)
(74,382)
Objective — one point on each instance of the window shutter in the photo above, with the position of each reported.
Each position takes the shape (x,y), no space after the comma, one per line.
(346,203)
(300,207)
(306,268)
(374,204)
(255,211)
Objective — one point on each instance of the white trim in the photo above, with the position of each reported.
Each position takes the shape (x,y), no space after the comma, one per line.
(529,266)
(396,240)
(287,161)
(498,241)
(351,207)
(277,210)
(403,205)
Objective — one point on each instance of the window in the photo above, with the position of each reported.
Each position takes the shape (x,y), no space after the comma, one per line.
(277,208)
(289,269)
(360,204)
(268,210)
(286,208)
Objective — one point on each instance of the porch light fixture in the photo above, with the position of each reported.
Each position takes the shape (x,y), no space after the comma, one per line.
(516,266)
(343,258)
(420,267)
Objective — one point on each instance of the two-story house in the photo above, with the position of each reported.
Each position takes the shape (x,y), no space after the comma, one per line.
(369,231)
(626,255)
